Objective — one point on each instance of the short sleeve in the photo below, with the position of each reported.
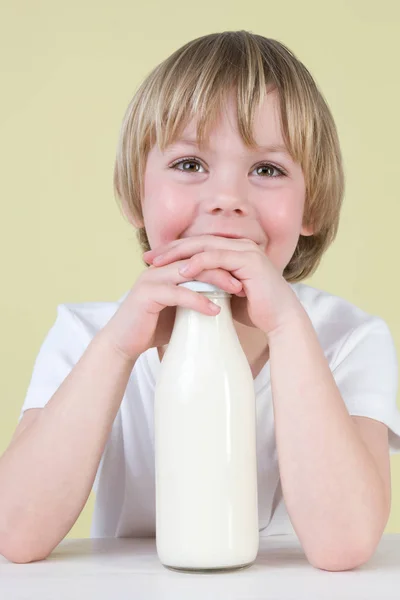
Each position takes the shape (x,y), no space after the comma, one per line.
(366,373)
(61,349)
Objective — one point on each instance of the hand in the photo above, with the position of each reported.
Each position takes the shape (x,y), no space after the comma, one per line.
(267,301)
(146,317)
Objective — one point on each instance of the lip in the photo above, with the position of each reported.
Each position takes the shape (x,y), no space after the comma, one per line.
(234,236)
(227,234)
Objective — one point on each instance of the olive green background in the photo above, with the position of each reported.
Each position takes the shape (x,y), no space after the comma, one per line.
(68,71)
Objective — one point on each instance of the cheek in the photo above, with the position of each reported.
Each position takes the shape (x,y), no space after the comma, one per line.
(282,226)
(283,221)
(166,215)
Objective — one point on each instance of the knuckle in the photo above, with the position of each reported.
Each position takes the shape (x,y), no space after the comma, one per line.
(194,261)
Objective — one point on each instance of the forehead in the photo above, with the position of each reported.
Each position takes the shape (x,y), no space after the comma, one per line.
(266,127)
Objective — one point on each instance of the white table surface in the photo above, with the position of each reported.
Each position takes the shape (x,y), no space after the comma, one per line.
(122,569)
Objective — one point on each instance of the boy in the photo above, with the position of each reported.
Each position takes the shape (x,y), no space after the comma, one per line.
(254,219)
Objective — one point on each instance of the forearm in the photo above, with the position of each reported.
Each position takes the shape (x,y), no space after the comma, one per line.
(331,486)
(47,473)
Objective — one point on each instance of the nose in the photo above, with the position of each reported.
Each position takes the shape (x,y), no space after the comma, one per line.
(227,205)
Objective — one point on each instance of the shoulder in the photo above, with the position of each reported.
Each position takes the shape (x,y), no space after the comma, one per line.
(87,318)
(328,311)
(339,323)
(74,327)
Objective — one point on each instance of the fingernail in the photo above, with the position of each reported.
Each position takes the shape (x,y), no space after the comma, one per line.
(158,259)
(235,282)
(213,307)
(184,269)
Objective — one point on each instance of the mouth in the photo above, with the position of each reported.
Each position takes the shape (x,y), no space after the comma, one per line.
(233,236)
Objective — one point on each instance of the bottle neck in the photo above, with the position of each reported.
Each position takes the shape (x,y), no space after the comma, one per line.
(191,324)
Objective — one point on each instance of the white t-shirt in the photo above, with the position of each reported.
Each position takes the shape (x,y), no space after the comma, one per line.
(362,357)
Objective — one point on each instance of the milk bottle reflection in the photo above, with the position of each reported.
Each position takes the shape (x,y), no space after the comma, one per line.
(205,444)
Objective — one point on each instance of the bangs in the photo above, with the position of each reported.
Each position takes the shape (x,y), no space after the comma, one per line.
(197,88)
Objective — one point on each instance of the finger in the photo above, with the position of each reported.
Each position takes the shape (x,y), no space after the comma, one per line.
(185,248)
(228,260)
(219,277)
(161,295)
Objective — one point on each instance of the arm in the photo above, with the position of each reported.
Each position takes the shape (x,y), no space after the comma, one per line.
(336,490)
(332,488)
(48,470)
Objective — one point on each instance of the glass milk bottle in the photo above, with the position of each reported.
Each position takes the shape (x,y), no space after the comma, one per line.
(205,444)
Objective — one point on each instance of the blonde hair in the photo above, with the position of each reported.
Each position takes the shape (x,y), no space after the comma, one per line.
(194,83)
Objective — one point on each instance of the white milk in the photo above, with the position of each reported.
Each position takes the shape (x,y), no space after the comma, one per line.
(205,444)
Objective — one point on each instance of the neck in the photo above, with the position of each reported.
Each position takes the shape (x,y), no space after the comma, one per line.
(254,344)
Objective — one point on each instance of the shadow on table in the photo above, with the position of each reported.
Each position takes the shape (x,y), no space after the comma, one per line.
(121,547)
(285,557)
(274,557)
(79,548)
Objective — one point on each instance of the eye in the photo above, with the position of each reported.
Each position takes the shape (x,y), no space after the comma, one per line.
(193,161)
(269,166)
(186,161)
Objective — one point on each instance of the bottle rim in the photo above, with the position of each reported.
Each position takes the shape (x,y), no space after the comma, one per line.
(201,286)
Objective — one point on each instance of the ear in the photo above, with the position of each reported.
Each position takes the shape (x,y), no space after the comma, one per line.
(306,230)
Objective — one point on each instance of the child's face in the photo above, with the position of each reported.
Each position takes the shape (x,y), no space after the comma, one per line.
(228,193)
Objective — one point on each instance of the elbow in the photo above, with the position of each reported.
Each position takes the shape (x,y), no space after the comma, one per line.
(344,558)
(349,552)
(21,551)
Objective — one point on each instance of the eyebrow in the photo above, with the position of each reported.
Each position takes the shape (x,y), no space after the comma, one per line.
(271,148)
